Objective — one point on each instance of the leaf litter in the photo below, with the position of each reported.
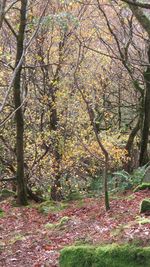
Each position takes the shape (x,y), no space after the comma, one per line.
(26,242)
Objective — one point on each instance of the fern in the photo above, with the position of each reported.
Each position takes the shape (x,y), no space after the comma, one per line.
(126,180)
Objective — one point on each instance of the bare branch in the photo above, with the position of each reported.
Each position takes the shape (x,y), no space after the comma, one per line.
(11,28)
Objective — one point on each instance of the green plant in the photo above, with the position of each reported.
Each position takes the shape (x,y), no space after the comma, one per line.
(122,180)
(125,180)
(96,184)
(138,174)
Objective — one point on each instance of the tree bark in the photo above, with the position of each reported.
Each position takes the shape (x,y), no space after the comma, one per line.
(21,183)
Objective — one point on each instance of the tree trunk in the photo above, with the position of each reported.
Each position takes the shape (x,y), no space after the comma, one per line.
(146,124)
(107,206)
(129,146)
(21,183)
(144,21)
(56,192)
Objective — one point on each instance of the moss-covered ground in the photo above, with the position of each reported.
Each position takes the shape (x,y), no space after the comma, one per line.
(105,256)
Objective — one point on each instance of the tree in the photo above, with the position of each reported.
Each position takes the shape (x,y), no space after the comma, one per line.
(144,21)
(21,182)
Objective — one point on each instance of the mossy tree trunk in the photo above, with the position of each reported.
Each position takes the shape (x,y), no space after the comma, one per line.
(21,183)
(146,124)
(56,191)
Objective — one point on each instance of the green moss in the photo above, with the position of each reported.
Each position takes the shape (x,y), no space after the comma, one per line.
(1,213)
(61,223)
(105,256)
(50,226)
(121,256)
(64,220)
(145,205)
(50,206)
(82,241)
(142,186)
(81,256)
(16,238)
(142,220)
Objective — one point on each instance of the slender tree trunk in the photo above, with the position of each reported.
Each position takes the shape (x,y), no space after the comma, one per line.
(101,146)
(21,183)
(119,108)
(56,192)
(105,153)
(107,206)
(146,124)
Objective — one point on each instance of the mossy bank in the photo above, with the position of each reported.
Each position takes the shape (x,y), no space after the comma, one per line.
(105,256)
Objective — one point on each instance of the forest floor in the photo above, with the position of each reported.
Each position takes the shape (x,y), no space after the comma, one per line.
(29,238)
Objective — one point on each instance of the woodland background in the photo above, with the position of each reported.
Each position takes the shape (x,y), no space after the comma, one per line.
(74,95)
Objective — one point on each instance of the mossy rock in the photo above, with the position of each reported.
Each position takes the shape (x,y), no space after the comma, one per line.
(51,206)
(145,206)
(105,256)
(59,224)
(142,186)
